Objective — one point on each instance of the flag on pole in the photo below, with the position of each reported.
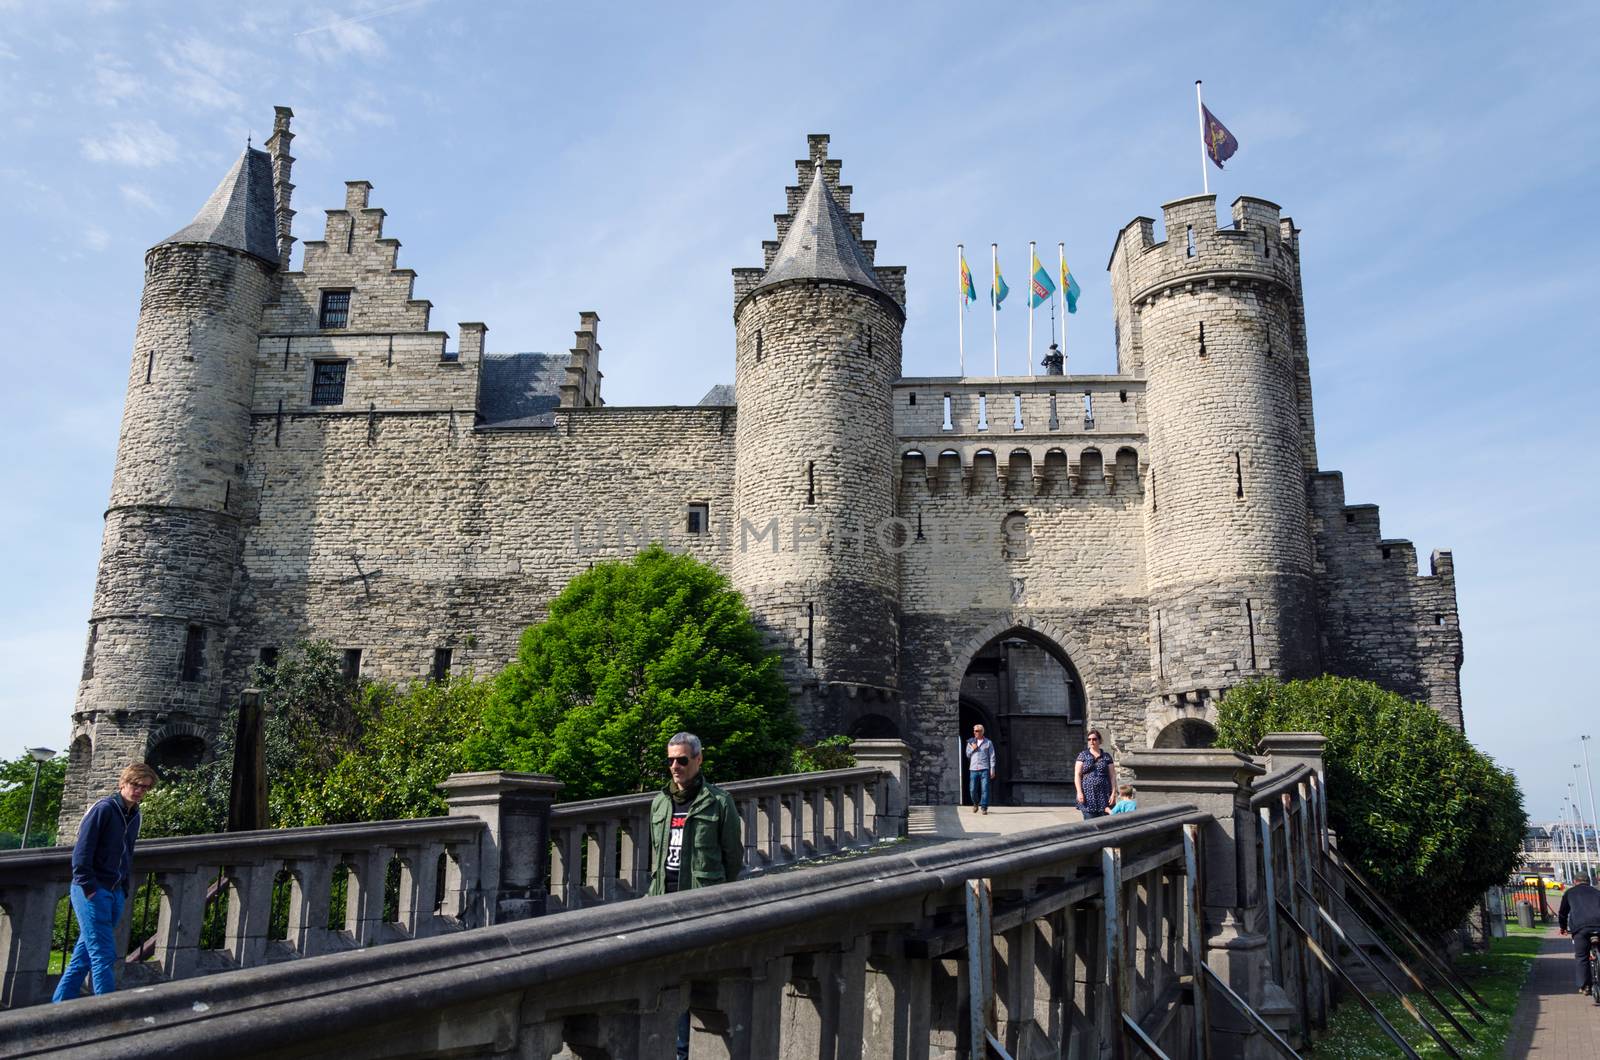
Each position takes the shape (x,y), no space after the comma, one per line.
(969,293)
(1042,286)
(1069,287)
(1220,144)
(998,292)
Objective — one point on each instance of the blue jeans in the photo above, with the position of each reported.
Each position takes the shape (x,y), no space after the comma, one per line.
(96,951)
(683,1036)
(978,787)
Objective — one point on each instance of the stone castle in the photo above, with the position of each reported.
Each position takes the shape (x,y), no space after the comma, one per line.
(302,456)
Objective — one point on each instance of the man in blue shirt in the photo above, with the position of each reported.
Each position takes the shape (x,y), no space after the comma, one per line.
(102,874)
(1580,917)
(980,769)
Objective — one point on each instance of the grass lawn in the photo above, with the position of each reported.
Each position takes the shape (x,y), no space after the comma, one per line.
(1497,975)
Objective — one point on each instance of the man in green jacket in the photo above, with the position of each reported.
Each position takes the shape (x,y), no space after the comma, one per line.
(696,836)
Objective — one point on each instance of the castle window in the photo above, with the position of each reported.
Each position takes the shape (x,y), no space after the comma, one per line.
(268,656)
(699,519)
(441,664)
(1088,411)
(350,669)
(194,645)
(913,400)
(335,310)
(811,482)
(1202,338)
(1016,411)
(1055,420)
(327,382)
(948,425)
(758,345)
(1192,248)
(983,412)
(1238,475)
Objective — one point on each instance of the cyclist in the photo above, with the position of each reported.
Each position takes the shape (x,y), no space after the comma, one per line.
(1580,915)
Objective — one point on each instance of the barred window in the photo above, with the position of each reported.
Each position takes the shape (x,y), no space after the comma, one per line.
(335,309)
(327,382)
(699,519)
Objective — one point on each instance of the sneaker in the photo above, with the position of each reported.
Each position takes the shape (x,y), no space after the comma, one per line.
(1583,990)
(986,811)
(974,809)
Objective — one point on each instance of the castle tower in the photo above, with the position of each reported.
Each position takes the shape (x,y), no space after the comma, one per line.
(814,539)
(150,689)
(1212,318)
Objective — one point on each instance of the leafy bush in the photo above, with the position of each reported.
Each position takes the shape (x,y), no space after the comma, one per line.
(1425,816)
(633,652)
(832,752)
(334,752)
(16,786)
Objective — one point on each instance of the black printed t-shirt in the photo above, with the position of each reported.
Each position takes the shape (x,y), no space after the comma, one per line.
(680,814)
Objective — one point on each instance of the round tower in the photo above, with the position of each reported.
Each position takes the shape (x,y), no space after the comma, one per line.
(150,688)
(1213,318)
(813,533)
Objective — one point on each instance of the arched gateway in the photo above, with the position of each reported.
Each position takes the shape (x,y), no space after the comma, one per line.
(1020,684)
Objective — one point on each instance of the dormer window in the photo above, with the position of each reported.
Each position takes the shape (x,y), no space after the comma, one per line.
(335,310)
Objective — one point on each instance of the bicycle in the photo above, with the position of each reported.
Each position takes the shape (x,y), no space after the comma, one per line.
(1594,966)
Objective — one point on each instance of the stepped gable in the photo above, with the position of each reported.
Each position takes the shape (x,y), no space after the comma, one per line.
(820,244)
(241,213)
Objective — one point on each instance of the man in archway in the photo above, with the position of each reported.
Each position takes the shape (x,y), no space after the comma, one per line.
(980,769)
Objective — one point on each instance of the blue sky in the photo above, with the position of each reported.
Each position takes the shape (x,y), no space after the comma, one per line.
(540,159)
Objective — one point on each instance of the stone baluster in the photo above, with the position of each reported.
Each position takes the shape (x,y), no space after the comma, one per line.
(183,913)
(739,1016)
(309,898)
(25,940)
(369,872)
(249,911)
(793,826)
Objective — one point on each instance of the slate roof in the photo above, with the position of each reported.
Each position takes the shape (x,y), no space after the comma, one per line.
(820,245)
(521,389)
(239,213)
(721,394)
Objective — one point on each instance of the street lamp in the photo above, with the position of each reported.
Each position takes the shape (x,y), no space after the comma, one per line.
(40,756)
(1584,742)
(1577,802)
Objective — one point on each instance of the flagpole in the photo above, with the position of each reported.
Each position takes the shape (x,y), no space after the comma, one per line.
(1200,116)
(961,315)
(1031,255)
(994,303)
(1061,300)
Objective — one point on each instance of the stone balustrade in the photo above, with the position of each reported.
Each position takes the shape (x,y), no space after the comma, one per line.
(1140,933)
(506,852)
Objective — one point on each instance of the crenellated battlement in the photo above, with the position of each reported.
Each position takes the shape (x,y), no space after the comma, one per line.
(1259,245)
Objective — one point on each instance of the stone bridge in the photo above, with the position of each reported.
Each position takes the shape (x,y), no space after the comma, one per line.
(1145,931)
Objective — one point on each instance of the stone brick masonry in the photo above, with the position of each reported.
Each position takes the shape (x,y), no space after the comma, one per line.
(1164,532)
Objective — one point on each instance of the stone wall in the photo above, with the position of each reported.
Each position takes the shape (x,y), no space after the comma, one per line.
(1381,620)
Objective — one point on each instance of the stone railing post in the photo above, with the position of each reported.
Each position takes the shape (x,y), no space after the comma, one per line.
(1285,750)
(514,852)
(1219,783)
(894,758)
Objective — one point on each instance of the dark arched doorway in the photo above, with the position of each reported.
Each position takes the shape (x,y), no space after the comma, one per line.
(1025,692)
(874,727)
(176,753)
(1186,732)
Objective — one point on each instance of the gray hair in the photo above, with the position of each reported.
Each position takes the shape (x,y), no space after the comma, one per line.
(686,739)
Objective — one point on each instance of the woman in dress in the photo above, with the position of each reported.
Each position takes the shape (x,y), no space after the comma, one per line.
(1096,778)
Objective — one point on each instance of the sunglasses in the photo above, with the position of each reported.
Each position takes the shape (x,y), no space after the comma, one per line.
(678,760)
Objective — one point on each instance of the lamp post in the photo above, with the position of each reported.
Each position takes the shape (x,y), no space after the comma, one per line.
(40,756)
(1577,802)
(1589,777)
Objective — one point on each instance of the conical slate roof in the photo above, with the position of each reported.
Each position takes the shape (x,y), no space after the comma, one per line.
(239,213)
(820,245)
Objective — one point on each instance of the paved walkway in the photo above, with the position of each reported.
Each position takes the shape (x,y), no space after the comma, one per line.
(956,822)
(1553,1021)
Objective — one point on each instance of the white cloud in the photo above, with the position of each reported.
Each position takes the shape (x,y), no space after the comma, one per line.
(113,82)
(201,69)
(142,144)
(336,39)
(96,238)
(137,196)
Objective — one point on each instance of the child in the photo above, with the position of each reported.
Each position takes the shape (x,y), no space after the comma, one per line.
(1125,803)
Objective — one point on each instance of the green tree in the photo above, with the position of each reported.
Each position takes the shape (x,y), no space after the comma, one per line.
(16,785)
(1427,817)
(631,653)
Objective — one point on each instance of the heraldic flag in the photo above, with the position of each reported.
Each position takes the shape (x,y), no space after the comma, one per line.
(1069,285)
(969,293)
(1219,142)
(1042,286)
(998,292)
